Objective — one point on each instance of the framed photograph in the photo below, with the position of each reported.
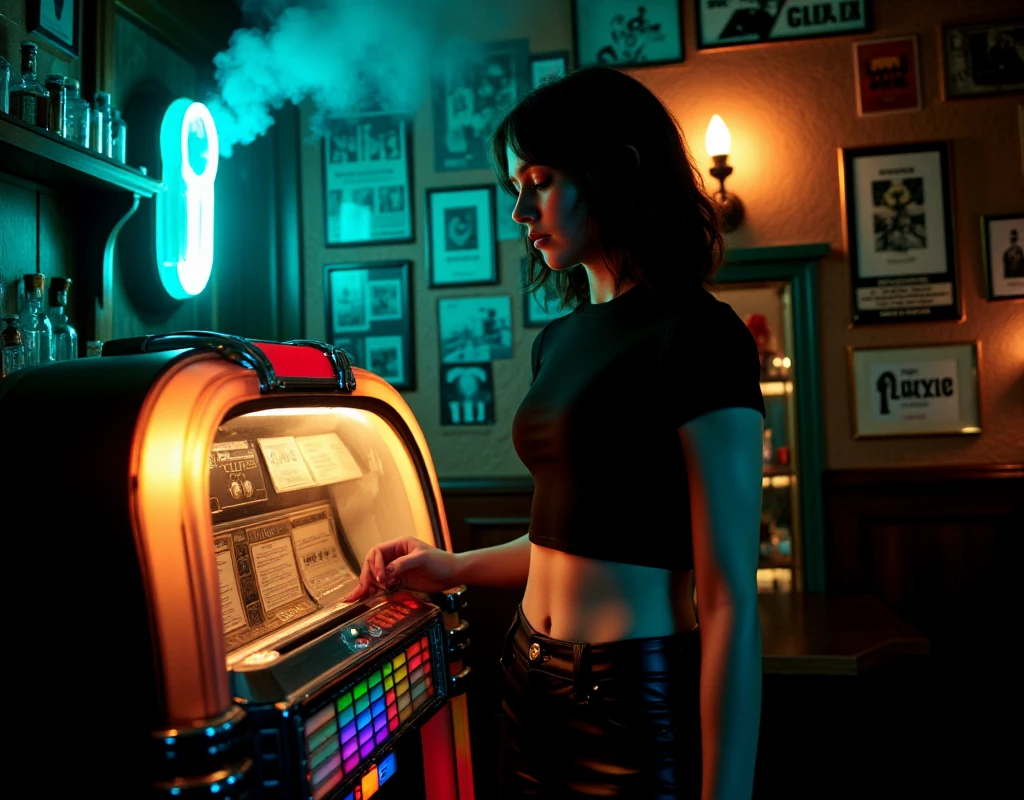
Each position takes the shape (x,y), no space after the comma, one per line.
(915,391)
(982,59)
(898,231)
(540,307)
(508,229)
(367,180)
(888,77)
(472,90)
(1002,237)
(461,247)
(56,21)
(548,66)
(729,23)
(627,33)
(475,328)
(467,394)
(369,314)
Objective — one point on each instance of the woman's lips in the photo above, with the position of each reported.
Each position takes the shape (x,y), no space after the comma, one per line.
(540,241)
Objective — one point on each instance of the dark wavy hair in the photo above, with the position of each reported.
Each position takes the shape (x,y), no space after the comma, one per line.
(651,214)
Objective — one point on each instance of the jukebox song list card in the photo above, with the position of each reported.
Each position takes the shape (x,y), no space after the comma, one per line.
(288,469)
(328,458)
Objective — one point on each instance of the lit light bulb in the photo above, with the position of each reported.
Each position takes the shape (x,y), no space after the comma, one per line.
(717,139)
(786,362)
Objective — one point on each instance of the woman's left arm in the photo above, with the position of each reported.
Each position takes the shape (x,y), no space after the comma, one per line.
(723,460)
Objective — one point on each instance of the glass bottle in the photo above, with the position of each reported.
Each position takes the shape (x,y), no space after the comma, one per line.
(65,337)
(118,131)
(101,119)
(29,98)
(56,118)
(36,331)
(12,354)
(77,114)
(5,83)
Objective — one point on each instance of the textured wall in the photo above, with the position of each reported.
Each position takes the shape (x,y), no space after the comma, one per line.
(789,107)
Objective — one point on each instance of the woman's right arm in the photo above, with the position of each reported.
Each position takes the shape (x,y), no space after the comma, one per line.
(412,564)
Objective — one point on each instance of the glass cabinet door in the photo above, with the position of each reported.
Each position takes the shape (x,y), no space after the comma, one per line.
(767,309)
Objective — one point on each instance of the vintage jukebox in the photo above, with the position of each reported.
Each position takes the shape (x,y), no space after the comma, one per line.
(203,503)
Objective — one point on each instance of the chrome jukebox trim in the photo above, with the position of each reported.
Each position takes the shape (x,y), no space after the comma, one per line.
(339,358)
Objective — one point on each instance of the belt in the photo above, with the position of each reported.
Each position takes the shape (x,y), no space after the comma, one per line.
(586,664)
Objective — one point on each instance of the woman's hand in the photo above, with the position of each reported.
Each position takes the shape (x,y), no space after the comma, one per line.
(406,562)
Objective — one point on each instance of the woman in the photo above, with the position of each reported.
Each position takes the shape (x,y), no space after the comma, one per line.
(642,430)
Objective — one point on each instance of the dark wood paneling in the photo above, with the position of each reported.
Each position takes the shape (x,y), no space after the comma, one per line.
(484,513)
(941,547)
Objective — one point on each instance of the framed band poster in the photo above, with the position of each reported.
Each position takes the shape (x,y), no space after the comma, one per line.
(899,233)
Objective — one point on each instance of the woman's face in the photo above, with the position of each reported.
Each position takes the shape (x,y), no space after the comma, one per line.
(549,206)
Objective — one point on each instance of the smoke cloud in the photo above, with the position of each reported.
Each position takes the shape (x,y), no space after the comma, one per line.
(346,56)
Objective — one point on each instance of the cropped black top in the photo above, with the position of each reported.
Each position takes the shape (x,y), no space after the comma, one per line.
(598,429)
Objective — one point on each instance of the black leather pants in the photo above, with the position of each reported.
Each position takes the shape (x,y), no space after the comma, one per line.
(618,719)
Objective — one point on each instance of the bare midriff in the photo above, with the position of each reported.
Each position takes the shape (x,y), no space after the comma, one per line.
(579,599)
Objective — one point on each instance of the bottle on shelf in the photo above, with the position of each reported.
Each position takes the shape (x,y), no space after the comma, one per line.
(101,120)
(76,114)
(5,84)
(118,134)
(65,337)
(56,119)
(12,355)
(36,330)
(29,99)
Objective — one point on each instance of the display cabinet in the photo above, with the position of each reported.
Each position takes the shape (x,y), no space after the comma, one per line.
(774,290)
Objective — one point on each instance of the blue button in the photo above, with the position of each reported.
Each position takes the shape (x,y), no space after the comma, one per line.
(386,768)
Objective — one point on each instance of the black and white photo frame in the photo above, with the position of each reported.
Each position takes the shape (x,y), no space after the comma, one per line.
(367,179)
(461,240)
(546,67)
(982,59)
(899,233)
(467,394)
(734,23)
(56,21)
(369,314)
(1002,246)
(625,33)
(473,329)
(472,88)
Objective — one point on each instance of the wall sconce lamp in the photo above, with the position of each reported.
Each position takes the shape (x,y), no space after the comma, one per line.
(718,143)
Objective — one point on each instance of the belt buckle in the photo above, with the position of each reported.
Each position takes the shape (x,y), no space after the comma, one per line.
(534,653)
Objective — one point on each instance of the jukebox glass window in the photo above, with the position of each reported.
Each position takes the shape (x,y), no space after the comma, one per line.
(299,495)
(766,308)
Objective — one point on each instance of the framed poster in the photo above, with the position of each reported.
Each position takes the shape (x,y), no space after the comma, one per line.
(461,246)
(888,78)
(369,315)
(472,90)
(1002,246)
(627,33)
(367,180)
(56,21)
(728,23)
(548,66)
(899,233)
(542,306)
(467,394)
(508,229)
(982,59)
(915,391)
(475,328)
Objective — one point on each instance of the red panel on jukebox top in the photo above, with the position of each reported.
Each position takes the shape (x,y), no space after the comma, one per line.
(297,361)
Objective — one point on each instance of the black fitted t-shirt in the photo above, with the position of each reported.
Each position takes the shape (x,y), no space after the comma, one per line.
(598,429)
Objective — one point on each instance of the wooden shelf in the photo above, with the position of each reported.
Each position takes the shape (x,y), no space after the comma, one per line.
(42,157)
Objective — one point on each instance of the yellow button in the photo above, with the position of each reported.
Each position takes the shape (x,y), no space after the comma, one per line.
(534,651)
